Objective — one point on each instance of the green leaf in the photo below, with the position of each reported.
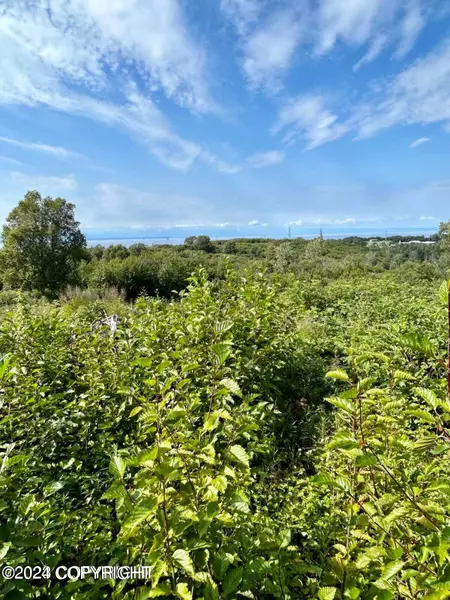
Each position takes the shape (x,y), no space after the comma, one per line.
(140,593)
(239,454)
(142,511)
(338,374)
(423,415)
(231,581)
(221,352)
(327,593)
(391,569)
(117,466)
(232,386)
(182,560)
(4,547)
(443,292)
(162,589)
(331,481)
(427,395)
(211,592)
(344,405)
(220,564)
(286,536)
(365,460)
(182,591)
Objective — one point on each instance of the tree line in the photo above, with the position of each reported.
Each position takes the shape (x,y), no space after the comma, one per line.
(44,251)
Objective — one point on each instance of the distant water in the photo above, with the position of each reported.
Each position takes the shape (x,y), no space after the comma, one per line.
(129,241)
(306,233)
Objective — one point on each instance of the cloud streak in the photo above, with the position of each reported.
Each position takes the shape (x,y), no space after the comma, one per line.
(307,117)
(52,184)
(46,149)
(419,142)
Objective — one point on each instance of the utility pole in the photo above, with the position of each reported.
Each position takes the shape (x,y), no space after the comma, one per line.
(289,232)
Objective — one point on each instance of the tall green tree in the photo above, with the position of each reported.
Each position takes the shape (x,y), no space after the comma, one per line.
(42,244)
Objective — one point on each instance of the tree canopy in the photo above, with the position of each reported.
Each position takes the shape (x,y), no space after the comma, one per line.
(42,244)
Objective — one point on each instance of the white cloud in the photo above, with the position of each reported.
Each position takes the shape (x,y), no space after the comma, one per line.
(377,46)
(269,50)
(77,39)
(419,142)
(351,21)
(242,13)
(220,165)
(418,95)
(306,117)
(44,183)
(411,26)
(428,219)
(10,161)
(254,223)
(53,150)
(360,22)
(265,159)
(69,55)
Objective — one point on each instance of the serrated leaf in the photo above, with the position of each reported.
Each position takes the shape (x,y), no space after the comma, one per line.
(365,460)
(326,593)
(443,292)
(182,591)
(344,405)
(423,415)
(428,395)
(221,352)
(182,559)
(162,589)
(391,569)
(232,386)
(232,579)
(4,547)
(117,466)
(239,454)
(338,374)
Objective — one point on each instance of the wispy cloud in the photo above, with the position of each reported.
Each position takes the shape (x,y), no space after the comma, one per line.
(419,142)
(83,42)
(419,94)
(37,147)
(375,49)
(68,56)
(362,22)
(265,159)
(411,26)
(242,13)
(53,184)
(269,50)
(9,161)
(308,118)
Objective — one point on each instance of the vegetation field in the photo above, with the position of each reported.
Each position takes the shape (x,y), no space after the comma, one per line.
(251,419)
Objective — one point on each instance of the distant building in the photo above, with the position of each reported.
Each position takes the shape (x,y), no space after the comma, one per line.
(378,243)
(417,242)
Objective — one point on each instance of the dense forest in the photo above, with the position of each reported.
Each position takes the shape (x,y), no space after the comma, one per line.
(251,418)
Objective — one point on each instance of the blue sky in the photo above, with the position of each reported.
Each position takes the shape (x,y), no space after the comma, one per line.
(228,115)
